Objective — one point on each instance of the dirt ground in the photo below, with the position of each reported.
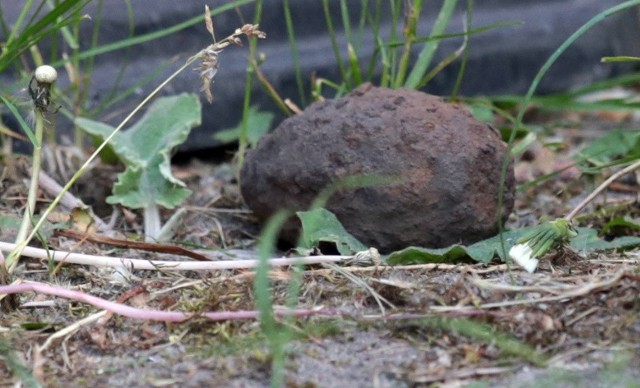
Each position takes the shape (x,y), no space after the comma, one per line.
(575,322)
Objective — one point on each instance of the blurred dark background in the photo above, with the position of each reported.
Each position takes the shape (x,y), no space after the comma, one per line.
(501,61)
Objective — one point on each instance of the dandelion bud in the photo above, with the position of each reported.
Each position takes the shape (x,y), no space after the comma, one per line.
(46,74)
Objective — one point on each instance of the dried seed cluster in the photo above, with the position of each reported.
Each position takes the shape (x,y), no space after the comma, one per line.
(209,65)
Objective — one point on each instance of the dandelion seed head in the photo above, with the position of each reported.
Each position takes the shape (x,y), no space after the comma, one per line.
(522,254)
(46,74)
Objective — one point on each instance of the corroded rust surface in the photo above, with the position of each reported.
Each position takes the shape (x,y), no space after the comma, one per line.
(442,165)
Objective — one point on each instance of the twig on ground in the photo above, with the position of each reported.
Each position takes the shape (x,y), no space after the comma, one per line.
(118,262)
(152,315)
(71,328)
(362,283)
(578,290)
(140,245)
(430,266)
(600,189)
(459,374)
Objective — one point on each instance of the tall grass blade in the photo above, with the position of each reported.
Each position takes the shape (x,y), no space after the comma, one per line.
(465,53)
(246,107)
(18,24)
(444,63)
(262,291)
(410,34)
(23,124)
(355,77)
(128,42)
(427,53)
(295,55)
(474,31)
(45,26)
(482,332)
(334,40)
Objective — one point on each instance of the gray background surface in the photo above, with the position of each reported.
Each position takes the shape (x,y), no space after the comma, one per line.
(501,61)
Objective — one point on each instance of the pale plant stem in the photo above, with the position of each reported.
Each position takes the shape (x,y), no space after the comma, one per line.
(32,197)
(600,189)
(152,224)
(12,259)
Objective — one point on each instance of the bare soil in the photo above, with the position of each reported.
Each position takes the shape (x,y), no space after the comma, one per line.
(575,322)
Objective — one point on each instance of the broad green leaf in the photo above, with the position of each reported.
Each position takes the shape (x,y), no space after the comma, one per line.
(484,251)
(320,225)
(618,223)
(609,148)
(588,241)
(145,148)
(257,125)
(482,112)
(9,226)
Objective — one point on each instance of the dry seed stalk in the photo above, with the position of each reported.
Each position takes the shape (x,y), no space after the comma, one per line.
(209,65)
(208,69)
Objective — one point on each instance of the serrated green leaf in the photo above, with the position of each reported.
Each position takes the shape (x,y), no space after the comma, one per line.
(320,225)
(145,148)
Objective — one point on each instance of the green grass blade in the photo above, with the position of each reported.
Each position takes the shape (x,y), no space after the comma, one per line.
(362,23)
(373,20)
(396,7)
(413,15)
(18,24)
(295,55)
(48,24)
(246,105)
(474,31)
(3,23)
(620,59)
(346,21)
(334,40)
(465,53)
(485,333)
(66,34)
(427,53)
(354,66)
(355,76)
(261,284)
(23,124)
(444,63)
(264,303)
(128,42)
